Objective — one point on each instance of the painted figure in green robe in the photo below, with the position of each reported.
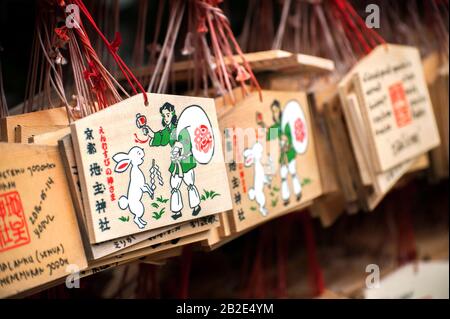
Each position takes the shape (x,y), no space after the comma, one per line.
(182,161)
(288,164)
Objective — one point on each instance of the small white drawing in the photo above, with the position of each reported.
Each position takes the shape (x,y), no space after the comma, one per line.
(253,156)
(136,186)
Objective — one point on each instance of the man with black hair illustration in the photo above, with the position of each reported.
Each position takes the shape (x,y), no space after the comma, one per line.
(182,161)
(288,153)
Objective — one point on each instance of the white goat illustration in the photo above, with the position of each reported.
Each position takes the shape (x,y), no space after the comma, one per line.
(137,185)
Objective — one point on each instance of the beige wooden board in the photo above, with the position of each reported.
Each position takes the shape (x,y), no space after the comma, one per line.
(115,129)
(420,163)
(348,176)
(50,138)
(24,133)
(379,182)
(68,157)
(174,232)
(217,234)
(94,251)
(226,102)
(324,94)
(262,61)
(395,105)
(328,208)
(327,166)
(214,240)
(164,255)
(225,229)
(56,116)
(116,246)
(431,64)
(95,270)
(151,251)
(264,156)
(35,210)
(436,73)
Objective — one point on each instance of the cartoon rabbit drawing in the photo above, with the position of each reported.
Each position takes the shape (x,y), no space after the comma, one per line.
(137,185)
(253,156)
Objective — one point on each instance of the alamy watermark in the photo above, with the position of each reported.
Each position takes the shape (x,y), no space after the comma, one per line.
(373,17)
(373,279)
(73,17)
(73,279)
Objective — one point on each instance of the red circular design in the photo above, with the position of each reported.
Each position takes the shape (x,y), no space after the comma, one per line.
(300,130)
(203,138)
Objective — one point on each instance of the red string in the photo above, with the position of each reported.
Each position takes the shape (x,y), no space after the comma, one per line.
(245,265)
(363,36)
(406,243)
(314,270)
(186,261)
(256,283)
(155,293)
(113,48)
(342,5)
(350,35)
(282,247)
(62,34)
(259,285)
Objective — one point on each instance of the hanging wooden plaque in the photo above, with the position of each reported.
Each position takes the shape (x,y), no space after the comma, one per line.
(39,234)
(271,158)
(395,105)
(142,168)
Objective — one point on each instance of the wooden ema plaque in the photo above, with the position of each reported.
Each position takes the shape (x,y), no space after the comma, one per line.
(116,245)
(271,159)
(39,234)
(56,117)
(395,105)
(142,168)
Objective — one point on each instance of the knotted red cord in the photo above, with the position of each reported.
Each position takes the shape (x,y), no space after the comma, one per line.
(113,48)
(61,33)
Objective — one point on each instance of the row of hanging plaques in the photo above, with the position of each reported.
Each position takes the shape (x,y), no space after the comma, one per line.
(134,182)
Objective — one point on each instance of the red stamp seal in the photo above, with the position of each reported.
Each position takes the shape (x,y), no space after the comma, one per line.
(300,130)
(13,226)
(402,111)
(203,138)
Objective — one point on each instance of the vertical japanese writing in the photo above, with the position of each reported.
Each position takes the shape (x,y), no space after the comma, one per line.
(107,163)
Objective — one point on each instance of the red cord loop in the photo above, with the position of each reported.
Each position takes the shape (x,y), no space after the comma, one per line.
(112,48)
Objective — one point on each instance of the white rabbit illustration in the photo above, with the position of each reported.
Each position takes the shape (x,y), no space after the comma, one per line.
(253,156)
(137,185)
